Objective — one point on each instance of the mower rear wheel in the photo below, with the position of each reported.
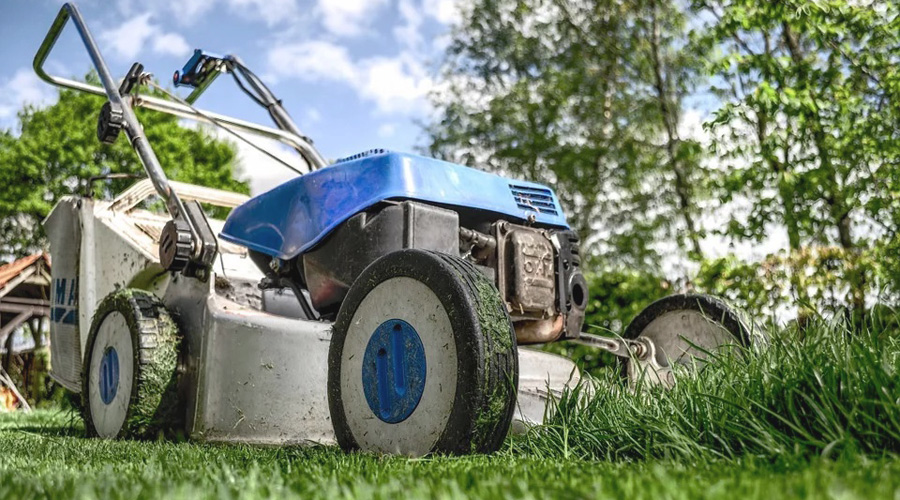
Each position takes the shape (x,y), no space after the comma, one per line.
(686,329)
(130,368)
(422,359)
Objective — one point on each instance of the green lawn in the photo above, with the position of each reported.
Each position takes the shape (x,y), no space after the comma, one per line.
(43,455)
(812,416)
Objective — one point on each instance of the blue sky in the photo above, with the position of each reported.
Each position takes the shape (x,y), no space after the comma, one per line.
(354,74)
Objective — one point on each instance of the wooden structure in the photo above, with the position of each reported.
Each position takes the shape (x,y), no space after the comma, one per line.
(24,306)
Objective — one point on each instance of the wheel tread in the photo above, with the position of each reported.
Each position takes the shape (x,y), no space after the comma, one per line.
(500,361)
(487,372)
(152,409)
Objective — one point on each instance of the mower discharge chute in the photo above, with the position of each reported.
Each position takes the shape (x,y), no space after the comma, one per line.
(379,301)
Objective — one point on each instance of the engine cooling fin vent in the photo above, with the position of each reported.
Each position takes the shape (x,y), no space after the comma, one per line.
(364,154)
(534,199)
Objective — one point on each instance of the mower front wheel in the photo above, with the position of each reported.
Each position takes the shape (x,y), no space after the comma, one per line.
(422,359)
(130,368)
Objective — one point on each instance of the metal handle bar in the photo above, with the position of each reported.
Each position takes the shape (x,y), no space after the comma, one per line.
(276,111)
(132,127)
(309,153)
(293,140)
(203,246)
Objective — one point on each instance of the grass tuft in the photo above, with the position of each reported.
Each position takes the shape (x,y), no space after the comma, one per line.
(831,391)
(811,416)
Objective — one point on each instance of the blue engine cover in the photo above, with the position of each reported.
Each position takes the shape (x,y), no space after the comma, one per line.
(293,217)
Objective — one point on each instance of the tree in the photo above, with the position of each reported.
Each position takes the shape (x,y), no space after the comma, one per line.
(57,151)
(586,97)
(672,70)
(814,84)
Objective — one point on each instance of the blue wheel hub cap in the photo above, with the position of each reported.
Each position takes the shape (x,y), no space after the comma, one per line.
(109,375)
(393,373)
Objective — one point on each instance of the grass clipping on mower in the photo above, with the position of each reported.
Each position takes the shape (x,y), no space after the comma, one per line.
(499,340)
(156,408)
(154,404)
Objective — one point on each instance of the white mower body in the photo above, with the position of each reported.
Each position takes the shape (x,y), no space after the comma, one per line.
(247,375)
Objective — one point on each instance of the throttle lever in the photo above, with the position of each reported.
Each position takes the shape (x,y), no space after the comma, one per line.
(132,78)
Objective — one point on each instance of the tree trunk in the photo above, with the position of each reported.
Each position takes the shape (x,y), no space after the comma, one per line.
(8,355)
(838,208)
(786,194)
(669,113)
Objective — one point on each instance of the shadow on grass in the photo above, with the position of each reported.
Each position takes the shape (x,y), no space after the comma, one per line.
(45,422)
(51,430)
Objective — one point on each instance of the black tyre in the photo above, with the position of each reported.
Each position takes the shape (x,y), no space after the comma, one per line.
(687,327)
(422,359)
(129,378)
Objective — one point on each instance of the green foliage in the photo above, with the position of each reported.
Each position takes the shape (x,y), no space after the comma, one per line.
(589,97)
(617,296)
(757,288)
(584,96)
(887,255)
(764,289)
(807,128)
(57,150)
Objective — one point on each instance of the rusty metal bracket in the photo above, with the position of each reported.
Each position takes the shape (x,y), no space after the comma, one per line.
(643,365)
(623,348)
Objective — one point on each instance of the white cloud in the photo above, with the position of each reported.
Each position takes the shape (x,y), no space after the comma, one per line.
(188,11)
(262,172)
(387,130)
(312,115)
(394,84)
(443,11)
(312,61)
(23,88)
(272,12)
(348,17)
(171,44)
(125,7)
(257,168)
(408,33)
(129,39)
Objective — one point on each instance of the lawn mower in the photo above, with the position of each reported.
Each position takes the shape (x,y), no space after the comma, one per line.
(379,301)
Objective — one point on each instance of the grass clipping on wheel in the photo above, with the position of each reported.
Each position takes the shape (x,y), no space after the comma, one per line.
(500,341)
(153,406)
(156,407)
(827,391)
